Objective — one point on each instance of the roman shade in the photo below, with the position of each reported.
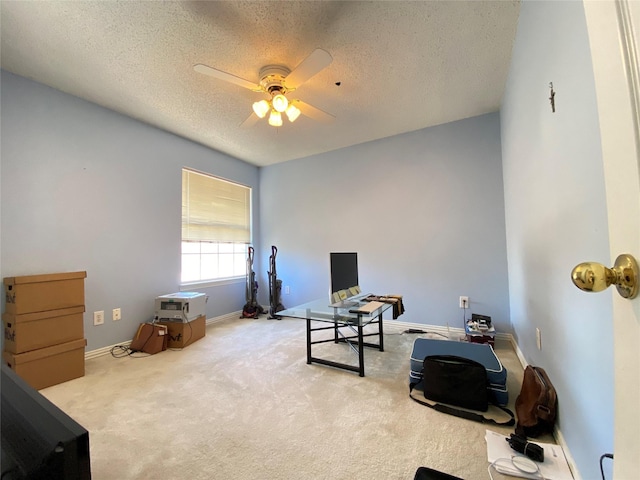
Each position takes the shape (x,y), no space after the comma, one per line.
(214,210)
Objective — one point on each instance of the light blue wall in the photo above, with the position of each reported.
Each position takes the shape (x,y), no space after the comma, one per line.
(424,210)
(84,188)
(556,218)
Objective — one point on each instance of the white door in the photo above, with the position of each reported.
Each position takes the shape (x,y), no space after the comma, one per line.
(613,27)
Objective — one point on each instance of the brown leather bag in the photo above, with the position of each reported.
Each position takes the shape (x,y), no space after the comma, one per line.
(536,404)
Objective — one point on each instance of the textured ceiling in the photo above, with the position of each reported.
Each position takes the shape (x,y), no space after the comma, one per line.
(402,65)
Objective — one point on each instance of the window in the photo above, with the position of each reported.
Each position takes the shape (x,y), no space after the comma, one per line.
(216,227)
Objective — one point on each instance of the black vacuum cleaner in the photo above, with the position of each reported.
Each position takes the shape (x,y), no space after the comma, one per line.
(251,309)
(275,287)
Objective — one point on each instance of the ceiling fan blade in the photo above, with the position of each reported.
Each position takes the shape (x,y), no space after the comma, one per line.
(311,65)
(227,77)
(313,112)
(250,121)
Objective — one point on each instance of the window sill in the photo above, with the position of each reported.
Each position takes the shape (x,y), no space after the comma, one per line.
(186,287)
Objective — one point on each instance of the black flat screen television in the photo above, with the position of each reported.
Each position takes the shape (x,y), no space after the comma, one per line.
(39,441)
(344,270)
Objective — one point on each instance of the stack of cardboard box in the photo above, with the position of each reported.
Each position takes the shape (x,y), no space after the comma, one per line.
(43,327)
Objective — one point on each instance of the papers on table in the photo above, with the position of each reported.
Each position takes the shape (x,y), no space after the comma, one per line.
(554,467)
(367,307)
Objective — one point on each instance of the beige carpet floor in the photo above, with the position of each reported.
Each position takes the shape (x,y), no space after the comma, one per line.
(242,403)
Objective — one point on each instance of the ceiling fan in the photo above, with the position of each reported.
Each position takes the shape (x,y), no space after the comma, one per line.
(276,81)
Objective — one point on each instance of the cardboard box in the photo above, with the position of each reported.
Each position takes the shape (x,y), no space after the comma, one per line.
(39,293)
(31,331)
(49,366)
(182,334)
(150,338)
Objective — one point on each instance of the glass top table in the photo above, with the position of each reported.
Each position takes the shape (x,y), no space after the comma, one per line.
(352,316)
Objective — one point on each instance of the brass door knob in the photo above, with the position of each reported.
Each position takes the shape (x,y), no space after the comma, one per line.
(595,277)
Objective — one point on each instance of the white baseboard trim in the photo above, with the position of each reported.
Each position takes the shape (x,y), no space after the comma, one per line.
(519,353)
(448,332)
(438,330)
(225,317)
(104,350)
(107,350)
(557,434)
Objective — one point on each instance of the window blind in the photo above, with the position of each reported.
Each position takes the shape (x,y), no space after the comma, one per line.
(214,210)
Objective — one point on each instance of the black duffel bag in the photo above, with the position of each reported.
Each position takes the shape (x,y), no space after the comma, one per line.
(456,381)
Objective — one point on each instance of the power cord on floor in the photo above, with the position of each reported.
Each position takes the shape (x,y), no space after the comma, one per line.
(464,314)
(417,330)
(606,455)
(121,351)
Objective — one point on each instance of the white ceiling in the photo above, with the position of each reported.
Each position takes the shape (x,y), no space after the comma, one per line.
(402,65)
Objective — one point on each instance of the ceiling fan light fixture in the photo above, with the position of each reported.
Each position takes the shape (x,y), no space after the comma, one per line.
(275,119)
(276,81)
(279,102)
(261,108)
(292,112)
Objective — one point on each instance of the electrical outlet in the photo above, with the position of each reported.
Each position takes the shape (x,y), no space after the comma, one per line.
(98,317)
(286,290)
(117,314)
(464,302)
(538,339)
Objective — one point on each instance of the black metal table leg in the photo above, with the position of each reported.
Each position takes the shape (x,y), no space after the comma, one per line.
(380,329)
(361,349)
(308,340)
